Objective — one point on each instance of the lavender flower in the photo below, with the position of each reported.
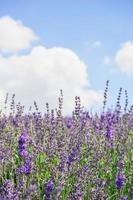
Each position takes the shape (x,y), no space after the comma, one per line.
(22,144)
(120,181)
(25,168)
(7,189)
(109,133)
(49,188)
(68,122)
(71,157)
(109,130)
(23,153)
(23,139)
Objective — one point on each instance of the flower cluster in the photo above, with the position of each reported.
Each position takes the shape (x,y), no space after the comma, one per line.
(22,144)
(6,190)
(23,153)
(82,156)
(48,189)
(120,181)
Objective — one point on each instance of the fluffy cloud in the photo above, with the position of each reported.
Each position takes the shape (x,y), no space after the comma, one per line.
(40,74)
(14,36)
(124,58)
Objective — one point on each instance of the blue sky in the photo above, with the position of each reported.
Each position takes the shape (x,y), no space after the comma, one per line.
(93,29)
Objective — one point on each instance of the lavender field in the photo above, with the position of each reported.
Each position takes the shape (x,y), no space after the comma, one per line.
(66,100)
(50,156)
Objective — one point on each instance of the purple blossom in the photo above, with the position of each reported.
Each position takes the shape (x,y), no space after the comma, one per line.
(25,168)
(23,139)
(48,189)
(22,144)
(120,181)
(7,189)
(109,133)
(68,122)
(71,157)
(23,153)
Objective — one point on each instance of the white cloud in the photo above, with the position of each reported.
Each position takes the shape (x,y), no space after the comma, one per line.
(97,44)
(107,60)
(40,74)
(14,36)
(124,58)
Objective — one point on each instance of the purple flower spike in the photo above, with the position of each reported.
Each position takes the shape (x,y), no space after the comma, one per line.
(23,139)
(22,144)
(49,188)
(25,169)
(120,181)
(7,187)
